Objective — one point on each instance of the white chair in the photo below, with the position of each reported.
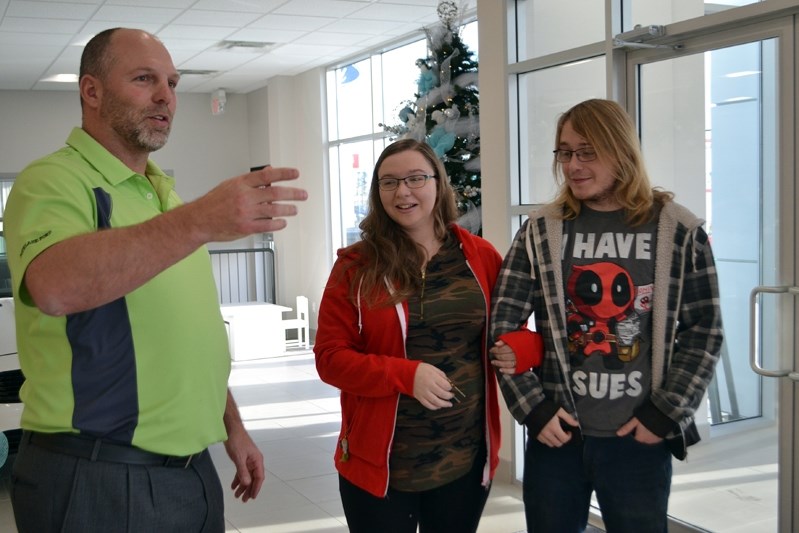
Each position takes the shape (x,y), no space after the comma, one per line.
(301,324)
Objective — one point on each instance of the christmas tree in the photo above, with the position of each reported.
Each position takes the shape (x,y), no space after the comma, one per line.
(446,110)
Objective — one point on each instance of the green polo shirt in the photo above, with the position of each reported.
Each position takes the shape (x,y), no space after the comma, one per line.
(149,369)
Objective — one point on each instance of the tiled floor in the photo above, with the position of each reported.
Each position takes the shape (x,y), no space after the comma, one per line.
(294,417)
(728,484)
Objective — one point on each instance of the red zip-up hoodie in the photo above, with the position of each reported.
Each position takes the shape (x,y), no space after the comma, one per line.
(361,351)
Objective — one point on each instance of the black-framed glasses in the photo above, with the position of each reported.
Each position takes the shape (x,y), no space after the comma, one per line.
(415,181)
(583,154)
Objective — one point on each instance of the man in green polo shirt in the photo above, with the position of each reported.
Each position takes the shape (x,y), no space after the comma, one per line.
(120,335)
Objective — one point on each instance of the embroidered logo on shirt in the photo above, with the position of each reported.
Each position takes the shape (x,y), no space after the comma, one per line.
(34,241)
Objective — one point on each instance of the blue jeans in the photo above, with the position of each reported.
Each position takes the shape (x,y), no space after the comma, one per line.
(631,480)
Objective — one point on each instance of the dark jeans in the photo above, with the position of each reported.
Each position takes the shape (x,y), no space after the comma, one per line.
(56,492)
(453,508)
(631,480)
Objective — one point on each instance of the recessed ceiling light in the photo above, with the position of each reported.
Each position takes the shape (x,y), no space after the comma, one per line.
(62,78)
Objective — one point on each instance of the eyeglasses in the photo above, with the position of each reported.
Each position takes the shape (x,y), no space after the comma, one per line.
(583,154)
(416,181)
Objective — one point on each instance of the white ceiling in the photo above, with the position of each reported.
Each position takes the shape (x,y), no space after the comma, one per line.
(41,38)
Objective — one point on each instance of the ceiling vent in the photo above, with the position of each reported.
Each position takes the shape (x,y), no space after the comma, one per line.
(246,46)
(197,72)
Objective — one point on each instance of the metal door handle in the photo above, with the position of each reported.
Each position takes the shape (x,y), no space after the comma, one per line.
(754,320)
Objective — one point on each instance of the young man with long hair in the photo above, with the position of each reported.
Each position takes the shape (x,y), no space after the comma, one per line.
(619,284)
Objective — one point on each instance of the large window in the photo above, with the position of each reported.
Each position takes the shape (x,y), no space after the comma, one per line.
(5,276)
(5,188)
(360,97)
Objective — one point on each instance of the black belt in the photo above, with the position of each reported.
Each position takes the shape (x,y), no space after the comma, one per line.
(96,449)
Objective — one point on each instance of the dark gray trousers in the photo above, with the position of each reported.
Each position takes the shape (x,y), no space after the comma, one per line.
(53,492)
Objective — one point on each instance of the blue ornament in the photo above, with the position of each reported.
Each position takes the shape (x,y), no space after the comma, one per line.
(427,78)
(406,113)
(350,74)
(441,141)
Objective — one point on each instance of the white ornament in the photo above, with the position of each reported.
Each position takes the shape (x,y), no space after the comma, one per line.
(447,12)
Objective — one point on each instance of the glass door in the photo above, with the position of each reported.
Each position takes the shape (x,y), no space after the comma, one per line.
(717,121)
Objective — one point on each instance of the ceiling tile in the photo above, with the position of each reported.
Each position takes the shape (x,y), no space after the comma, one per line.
(306,50)
(430,3)
(272,62)
(175,31)
(92,2)
(130,14)
(372,27)
(175,45)
(179,4)
(410,29)
(243,6)
(26,73)
(47,36)
(327,38)
(52,10)
(215,18)
(391,12)
(68,62)
(10,38)
(323,8)
(291,22)
(181,56)
(268,35)
(32,25)
(93,27)
(216,60)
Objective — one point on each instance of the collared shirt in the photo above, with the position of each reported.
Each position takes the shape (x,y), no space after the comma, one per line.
(149,369)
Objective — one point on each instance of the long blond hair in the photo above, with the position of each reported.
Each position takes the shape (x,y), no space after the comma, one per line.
(386,252)
(610,130)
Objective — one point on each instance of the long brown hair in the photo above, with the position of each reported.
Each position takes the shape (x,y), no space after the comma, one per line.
(386,252)
(610,130)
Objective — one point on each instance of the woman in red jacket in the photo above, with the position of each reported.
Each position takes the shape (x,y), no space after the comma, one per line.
(402,333)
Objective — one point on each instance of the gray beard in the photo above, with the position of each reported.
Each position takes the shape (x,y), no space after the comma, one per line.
(142,138)
(127,123)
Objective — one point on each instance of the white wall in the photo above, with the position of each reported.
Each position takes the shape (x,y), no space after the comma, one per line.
(202,149)
(297,139)
(258,127)
(34,124)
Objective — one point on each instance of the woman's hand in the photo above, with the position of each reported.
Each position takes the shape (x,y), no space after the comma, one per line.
(503,358)
(432,387)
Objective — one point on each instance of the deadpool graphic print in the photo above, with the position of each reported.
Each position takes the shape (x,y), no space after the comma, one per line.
(608,279)
(602,313)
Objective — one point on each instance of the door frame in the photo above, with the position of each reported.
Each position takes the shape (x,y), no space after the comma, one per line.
(779,21)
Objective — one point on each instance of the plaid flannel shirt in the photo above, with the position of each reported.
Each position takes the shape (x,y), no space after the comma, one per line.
(686,317)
